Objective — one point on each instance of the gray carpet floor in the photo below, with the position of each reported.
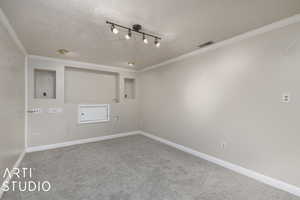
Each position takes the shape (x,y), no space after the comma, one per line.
(137,168)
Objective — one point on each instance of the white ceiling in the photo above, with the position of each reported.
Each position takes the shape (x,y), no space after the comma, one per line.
(79,25)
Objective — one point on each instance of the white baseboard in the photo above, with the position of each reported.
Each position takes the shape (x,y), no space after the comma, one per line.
(16,165)
(75,142)
(241,170)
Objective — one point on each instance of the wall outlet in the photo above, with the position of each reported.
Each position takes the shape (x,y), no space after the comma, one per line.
(223,145)
(54,110)
(116,118)
(285,97)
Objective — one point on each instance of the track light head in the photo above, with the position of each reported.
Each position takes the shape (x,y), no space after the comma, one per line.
(128,35)
(114,29)
(145,39)
(157,43)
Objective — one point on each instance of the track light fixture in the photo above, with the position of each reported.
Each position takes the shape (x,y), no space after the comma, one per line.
(128,35)
(137,29)
(145,39)
(114,29)
(156,42)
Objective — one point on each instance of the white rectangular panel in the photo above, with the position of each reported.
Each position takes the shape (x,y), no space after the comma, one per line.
(93,113)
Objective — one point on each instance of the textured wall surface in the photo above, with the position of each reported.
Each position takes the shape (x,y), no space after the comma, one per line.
(12,100)
(231,97)
(90,86)
(48,128)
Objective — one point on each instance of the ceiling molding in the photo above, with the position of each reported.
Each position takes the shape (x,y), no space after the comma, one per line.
(72,63)
(273,26)
(11,32)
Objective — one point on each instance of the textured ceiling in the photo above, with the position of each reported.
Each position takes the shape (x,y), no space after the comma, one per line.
(79,25)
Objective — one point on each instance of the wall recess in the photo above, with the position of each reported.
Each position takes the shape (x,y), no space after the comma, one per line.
(84,86)
(129,88)
(44,84)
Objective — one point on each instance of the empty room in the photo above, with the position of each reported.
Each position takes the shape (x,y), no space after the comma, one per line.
(150,100)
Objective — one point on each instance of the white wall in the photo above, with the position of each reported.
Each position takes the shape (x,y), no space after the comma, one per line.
(47,128)
(12,99)
(232,95)
(90,86)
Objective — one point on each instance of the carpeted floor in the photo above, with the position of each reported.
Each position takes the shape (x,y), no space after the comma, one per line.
(136,168)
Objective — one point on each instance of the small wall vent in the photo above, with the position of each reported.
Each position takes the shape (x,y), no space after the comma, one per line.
(206,44)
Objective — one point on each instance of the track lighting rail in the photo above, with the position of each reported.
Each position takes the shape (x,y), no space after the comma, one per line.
(131,29)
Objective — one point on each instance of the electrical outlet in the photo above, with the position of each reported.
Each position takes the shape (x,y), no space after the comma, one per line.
(117,118)
(54,110)
(223,145)
(285,97)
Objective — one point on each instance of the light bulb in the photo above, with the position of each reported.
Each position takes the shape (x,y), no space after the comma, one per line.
(157,43)
(128,35)
(114,29)
(145,39)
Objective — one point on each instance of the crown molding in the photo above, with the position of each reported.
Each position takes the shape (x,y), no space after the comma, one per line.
(72,63)
(273,26)
(11,32)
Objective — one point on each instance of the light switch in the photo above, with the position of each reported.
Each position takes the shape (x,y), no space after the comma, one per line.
(35,110)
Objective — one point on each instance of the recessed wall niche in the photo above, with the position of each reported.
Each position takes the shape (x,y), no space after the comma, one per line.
(85,86)
(44,84)
(129,88)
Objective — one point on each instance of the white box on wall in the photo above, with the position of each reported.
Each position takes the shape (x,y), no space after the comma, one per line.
(93,113)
